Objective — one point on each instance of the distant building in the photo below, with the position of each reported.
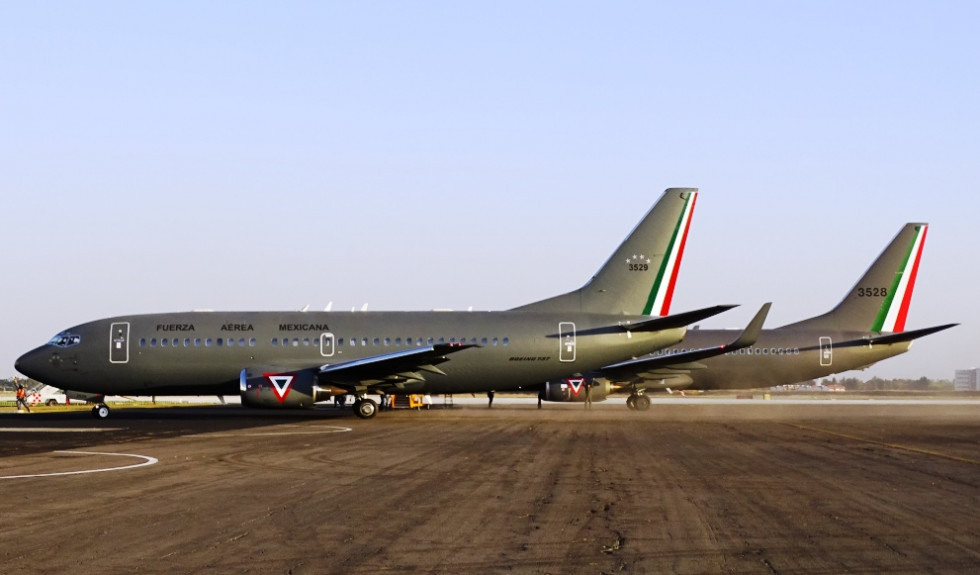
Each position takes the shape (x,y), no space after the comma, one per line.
(967,380)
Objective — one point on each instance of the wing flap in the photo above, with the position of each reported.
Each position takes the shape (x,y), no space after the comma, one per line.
(396,368)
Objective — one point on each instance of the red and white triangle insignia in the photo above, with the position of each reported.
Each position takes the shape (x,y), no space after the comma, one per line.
(281,384)
(575,384)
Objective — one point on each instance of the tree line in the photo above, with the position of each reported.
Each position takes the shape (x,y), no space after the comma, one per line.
(879,384)
(11,383)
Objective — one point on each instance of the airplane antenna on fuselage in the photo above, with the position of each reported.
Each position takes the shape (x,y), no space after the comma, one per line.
(305,308)
(329,306)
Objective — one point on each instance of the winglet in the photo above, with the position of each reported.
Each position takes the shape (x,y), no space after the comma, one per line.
(752,331)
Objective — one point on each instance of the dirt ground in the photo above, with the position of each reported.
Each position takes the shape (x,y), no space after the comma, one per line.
(748,488)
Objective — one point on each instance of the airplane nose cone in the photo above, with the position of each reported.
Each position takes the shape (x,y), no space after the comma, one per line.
(32,364)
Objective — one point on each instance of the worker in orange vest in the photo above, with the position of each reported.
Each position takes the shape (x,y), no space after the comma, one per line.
(22,398)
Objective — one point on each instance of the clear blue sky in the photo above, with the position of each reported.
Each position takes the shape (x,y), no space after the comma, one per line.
(246,155)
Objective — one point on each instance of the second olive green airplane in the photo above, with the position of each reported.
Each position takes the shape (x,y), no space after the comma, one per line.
(295,359)
(867,326)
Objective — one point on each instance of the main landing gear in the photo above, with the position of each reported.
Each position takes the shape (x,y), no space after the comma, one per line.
(100,411)
(638,402)
(365,408)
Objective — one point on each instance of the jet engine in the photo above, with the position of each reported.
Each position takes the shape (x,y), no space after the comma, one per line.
(573,389)
(293,389)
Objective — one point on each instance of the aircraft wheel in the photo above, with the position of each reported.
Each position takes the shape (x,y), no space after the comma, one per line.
(51,402)
(631,402)
(642,403)
(365,408)
(100,411)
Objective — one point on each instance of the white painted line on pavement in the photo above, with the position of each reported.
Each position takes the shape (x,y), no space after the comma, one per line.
(147,460)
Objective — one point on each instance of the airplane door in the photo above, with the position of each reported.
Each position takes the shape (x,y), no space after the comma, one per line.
(566,337)
(326,344)
(119,342)
(826,351)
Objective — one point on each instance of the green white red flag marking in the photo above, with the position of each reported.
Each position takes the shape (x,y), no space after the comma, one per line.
(895,308)
(663,288)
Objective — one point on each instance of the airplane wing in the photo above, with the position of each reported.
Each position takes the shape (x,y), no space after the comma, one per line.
(389,372)
(673,365)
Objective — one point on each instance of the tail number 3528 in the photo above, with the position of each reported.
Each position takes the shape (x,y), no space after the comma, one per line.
(872,292)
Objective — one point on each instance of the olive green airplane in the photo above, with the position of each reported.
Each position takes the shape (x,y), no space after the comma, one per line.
(295,359)
(867,326)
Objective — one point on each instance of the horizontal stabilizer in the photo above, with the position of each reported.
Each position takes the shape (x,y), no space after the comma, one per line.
(890,338)
(909,335)
(676,320)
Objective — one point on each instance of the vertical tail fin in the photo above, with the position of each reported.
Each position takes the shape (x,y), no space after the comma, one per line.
(640,276)
(879,301)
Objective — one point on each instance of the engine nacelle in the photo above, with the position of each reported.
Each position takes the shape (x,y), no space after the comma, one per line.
(293,389)
(573,389)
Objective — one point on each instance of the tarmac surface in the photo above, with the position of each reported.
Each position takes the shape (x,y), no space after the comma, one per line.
(687,487)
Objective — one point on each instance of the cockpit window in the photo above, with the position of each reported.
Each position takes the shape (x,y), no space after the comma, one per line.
(65,339)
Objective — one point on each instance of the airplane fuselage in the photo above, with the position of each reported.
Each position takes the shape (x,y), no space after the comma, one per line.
(779,356)
(204,352)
